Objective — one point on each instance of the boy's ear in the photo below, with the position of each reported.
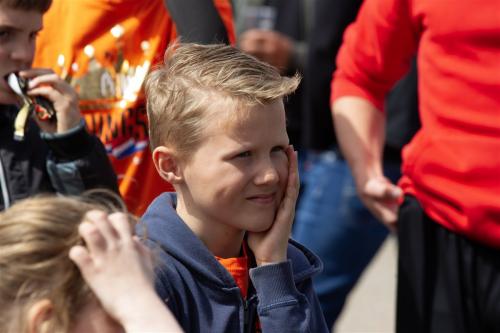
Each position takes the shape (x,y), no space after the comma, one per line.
(39,315)
(167,164)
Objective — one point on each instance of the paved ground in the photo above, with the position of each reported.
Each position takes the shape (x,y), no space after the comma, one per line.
(371,306)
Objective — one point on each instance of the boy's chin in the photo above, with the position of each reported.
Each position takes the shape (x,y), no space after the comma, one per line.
(260,226)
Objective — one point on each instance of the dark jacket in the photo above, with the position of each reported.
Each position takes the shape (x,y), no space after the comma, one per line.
(67,163)
(204,297)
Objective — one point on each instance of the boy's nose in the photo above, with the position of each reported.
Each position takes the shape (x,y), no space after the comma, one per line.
(23,54)
(268,174)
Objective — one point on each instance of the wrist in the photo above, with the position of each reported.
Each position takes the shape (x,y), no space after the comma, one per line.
(68,124)
(150,316)
(271,260)
(362,173)
(275,285)
(71,145)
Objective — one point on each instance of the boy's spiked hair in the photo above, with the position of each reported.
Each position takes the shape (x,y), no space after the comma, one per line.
(194,78)
(37,5)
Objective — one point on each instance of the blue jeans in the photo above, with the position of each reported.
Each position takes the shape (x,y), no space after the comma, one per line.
(332,222)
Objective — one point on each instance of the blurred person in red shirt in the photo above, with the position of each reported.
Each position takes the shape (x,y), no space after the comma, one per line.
(448,224)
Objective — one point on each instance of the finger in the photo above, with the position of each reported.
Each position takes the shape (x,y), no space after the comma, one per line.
(393,227)
(292,186)
(254,49)
(381,189)
(386,213)
(286,210)
(50,79)
(46,91)
(293,183)
(145,253)
(252,41)
(121,224)
(34,72)
(81,257)
(143,249)
(100,220)
(46,126)
(94,240)
(53,81)
(255,35)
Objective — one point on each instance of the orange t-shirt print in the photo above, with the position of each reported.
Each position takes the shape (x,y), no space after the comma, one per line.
(105,49)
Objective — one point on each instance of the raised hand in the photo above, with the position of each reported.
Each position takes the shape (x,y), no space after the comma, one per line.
(270,46)
(270,246)
(46,83)
(119,270)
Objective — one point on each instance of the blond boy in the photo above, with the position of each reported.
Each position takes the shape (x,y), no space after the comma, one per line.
(218,134)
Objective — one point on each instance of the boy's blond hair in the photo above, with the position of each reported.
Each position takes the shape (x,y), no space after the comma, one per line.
(195,78)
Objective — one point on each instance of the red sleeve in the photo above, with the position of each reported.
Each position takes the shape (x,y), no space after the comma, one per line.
(376,51)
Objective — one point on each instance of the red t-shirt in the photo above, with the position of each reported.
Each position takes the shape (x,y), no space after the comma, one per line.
(453,164)
(238,268)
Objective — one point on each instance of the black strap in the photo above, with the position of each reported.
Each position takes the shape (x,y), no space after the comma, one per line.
(197,21)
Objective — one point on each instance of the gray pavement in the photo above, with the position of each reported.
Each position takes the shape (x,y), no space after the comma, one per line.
(371,306)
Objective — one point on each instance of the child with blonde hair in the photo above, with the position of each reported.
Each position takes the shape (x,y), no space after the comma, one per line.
(218,135)
(72,265)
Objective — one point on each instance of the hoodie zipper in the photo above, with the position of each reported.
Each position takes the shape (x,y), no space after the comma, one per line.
(248,319)
(4,187)
(246,315)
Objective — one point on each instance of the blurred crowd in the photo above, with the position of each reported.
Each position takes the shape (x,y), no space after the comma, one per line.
(392,124)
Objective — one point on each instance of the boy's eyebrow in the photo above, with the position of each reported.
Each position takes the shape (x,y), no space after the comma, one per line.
(9,27)
(16,29)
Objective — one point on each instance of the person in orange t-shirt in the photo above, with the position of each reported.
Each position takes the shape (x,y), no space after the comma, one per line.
(105,49)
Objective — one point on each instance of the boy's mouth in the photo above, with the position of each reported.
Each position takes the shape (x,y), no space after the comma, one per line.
(17,84)
(263,198)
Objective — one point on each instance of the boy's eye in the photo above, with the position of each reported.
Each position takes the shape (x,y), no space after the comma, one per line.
(4,34)
(278,149)
(244,154)
(34,35)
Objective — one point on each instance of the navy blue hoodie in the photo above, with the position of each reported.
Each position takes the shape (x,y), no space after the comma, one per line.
(203,295)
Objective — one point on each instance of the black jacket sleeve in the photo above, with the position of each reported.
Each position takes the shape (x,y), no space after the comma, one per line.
(77,162)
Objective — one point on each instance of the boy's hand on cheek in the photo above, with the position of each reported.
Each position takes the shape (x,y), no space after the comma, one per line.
(270,246)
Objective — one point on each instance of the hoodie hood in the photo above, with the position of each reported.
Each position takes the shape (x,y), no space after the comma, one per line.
(164,228)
